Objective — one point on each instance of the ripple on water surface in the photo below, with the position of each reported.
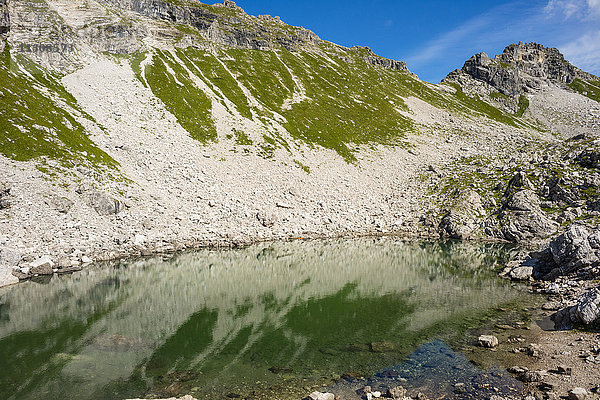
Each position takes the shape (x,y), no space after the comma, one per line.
(274,318)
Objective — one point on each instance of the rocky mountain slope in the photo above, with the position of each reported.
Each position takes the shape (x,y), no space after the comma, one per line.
(131,127)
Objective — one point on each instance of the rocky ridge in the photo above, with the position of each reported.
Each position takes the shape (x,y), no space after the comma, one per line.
(521,68)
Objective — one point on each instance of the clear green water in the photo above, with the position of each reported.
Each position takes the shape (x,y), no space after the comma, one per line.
(274,319)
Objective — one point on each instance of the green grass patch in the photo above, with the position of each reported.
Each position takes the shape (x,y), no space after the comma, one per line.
(172,84)
(36,117)
(498,95)
(523,105)
(589,89)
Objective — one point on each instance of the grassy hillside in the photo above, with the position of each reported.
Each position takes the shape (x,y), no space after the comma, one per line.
(331,97)
(38,117)
(322,94)
(589,89)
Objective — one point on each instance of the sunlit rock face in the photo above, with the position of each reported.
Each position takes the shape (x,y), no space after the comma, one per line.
(234,317)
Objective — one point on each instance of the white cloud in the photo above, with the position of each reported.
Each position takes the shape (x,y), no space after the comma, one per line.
(584,52)
(566,9)
(570,25)
(440,45)
(594,8)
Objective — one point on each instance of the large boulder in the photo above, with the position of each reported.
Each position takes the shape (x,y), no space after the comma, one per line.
(461,220)
(587,309)
(574,249)
(577,249)
(520,225)
(9,257)
(104,204)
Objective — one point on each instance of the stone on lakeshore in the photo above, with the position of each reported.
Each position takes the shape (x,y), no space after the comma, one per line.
(397,393)
(9,257)
(531,376)
(488,341)
(42,266)
(7,277)
(321,396)
(578,394)
(521,273)
(588,307)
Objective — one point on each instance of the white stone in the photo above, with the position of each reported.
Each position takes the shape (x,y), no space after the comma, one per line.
(139,240)
(578,394)
(41,261)
(488,341)
(6,277)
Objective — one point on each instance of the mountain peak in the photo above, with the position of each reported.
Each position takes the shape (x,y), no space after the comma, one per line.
(520,68)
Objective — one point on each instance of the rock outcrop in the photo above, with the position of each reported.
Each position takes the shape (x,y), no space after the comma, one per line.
(521,68)
(4,17)
(4,23)
(576,250)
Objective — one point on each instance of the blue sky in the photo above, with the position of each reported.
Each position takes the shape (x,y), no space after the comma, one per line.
(436,36)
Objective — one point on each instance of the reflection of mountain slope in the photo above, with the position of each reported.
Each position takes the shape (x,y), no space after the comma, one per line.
(236,313)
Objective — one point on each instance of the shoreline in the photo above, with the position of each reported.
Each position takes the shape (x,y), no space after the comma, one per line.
(141,252)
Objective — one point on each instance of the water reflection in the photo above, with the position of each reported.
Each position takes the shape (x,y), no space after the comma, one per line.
(239,321)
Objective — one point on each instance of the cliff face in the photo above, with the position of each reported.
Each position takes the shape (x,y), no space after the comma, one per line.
(4,23)
(4,17)
(521,68)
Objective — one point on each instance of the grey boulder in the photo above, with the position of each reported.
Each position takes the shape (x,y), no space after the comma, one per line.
(104,204)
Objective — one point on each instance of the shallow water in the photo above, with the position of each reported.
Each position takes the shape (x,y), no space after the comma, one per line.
(272,318)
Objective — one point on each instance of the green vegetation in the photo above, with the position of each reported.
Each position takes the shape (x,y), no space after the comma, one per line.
(477,105)
(589,89)
(171,83)
(36,117)
(332,99)
(523,105)
(498,95)
(206,65)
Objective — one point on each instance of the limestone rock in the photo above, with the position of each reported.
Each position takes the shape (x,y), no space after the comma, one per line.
(521,273)
(9,257)
(104,204)
(396,393)
(588,307)
(60,204)
(6,276)
(461,221)
(488,341)
(267,219)
(321,396)
(521,68)
(578,394)
(42,266)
